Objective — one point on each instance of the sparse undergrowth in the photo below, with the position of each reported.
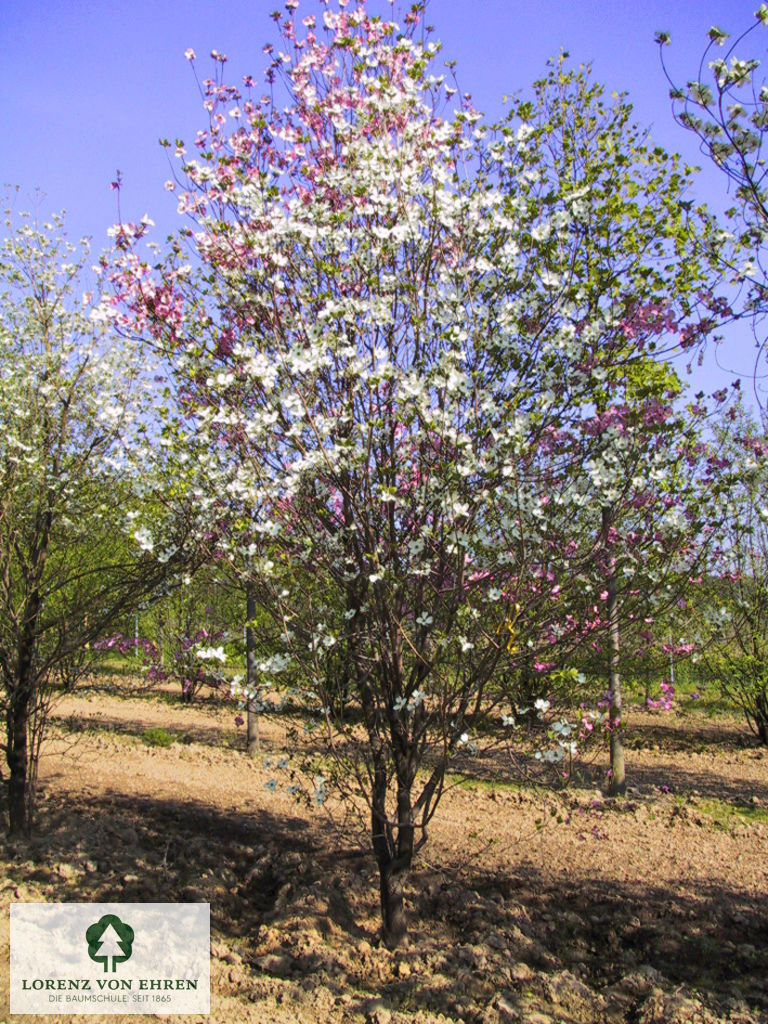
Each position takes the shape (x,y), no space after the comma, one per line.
(725,815)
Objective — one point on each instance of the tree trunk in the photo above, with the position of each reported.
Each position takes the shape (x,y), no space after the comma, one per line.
(618,784)
(17,755)
(252,726)
(394,854)
(394,927)
(761,717)
(20,704)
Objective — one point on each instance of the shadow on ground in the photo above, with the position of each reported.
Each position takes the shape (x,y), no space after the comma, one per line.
(289,909)
(114,847)
(699,735)
(211,735)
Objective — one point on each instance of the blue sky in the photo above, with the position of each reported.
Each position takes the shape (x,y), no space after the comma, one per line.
(89,86)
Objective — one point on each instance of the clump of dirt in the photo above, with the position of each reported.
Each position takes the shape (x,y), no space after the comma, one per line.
(529,905)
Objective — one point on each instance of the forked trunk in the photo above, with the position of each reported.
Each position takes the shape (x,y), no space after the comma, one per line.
(393,845)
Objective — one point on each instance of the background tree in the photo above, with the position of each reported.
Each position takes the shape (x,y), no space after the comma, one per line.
(72,408)
(733,603)
(613,224)
(200,614)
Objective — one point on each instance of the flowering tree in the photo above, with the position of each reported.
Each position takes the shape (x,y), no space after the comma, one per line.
(616,234)
(193,617)
(373,356)
(726,107)
(733,635)
(71,410)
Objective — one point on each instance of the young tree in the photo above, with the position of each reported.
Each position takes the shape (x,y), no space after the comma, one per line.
(193,617)
(734,604)
(71,417)
(373,353)
(615,228)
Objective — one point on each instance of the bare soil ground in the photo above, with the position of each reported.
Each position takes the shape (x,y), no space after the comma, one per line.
(528,904)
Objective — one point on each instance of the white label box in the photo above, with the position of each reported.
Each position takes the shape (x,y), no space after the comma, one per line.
(71,958)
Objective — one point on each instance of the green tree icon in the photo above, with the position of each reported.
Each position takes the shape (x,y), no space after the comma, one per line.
(109,939)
